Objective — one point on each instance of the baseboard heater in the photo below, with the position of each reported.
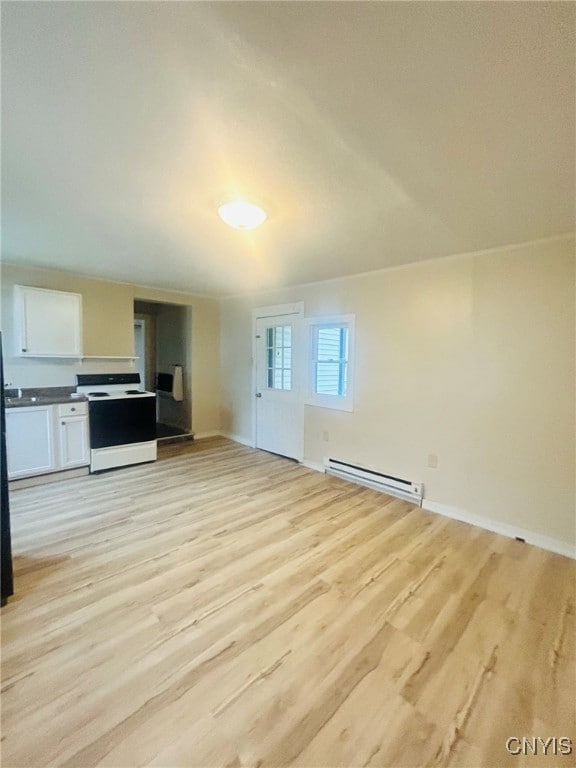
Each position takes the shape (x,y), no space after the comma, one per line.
(395,486)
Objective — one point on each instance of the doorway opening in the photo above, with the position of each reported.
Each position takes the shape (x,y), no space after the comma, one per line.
(163,346)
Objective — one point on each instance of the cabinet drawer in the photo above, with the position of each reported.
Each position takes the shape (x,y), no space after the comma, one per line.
(73,409)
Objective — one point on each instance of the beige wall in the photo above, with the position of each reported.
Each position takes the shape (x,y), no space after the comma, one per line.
(108,329)
(469,358)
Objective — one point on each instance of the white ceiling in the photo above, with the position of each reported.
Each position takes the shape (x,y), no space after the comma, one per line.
(374,134)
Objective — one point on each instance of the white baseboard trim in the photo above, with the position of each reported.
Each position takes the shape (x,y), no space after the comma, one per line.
(238,439)
(313,465)
(530,537)
(51,477)
(203,435)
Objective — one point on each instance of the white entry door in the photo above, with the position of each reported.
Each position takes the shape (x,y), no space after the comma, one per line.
(279,401)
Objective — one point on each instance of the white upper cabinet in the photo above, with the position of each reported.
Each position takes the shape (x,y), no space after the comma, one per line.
(48,323)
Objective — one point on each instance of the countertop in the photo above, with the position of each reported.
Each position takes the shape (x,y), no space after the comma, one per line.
(42,396)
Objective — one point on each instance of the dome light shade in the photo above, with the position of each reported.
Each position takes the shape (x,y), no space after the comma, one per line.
(241,214)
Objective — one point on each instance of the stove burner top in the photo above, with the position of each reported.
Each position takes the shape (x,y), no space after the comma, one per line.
(134,392)
(98,394)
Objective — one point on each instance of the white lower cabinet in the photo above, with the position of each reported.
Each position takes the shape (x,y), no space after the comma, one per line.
(30,441)
(73,434)
(46,438)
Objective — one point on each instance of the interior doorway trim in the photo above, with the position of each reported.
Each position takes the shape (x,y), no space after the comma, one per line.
(294,309)
(147,322)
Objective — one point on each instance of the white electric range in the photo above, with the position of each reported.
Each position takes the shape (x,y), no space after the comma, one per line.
(122,419)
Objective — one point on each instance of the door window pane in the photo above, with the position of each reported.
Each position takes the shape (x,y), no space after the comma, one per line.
(279,356)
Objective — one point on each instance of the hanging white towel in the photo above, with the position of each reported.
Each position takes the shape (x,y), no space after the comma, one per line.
(177,383)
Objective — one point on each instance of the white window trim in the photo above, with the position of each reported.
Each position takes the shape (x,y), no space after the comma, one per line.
(335,402)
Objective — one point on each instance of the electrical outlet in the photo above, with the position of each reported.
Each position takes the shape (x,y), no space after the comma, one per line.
(325,436)
(432,460)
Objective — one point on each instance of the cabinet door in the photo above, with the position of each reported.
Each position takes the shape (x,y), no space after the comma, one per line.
(48,322)
(73,441)
(29,441)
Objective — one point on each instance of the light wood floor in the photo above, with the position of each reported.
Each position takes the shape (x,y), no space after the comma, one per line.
(226,607)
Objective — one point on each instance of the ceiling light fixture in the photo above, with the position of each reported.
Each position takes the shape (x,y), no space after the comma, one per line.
(241,214)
